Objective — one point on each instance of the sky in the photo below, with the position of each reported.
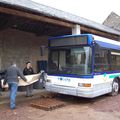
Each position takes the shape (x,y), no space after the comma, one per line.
(95,10)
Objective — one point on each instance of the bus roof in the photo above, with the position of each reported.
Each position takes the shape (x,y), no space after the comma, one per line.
(67,36)
(102,41)
(107,43)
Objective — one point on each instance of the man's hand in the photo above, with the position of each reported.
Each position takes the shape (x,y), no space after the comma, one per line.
(4,82)
(27,82)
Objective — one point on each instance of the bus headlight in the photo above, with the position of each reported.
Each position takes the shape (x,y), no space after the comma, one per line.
(84,84)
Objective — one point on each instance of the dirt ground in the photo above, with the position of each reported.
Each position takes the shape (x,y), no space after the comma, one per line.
(104,107)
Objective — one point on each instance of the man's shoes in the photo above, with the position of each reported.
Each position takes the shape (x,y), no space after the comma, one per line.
(13,108)
(28,95)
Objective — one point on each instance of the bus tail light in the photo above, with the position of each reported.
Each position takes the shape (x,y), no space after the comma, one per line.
(87,85)
(84,84)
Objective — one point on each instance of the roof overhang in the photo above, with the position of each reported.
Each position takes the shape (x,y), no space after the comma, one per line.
(67,19)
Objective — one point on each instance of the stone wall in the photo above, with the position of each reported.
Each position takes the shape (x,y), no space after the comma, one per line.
(20,47)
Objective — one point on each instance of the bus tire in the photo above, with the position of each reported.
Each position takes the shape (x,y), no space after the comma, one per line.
(115,88)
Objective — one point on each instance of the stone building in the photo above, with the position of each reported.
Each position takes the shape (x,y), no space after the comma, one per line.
(25,27)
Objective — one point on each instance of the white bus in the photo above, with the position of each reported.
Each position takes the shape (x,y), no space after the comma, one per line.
(83,65)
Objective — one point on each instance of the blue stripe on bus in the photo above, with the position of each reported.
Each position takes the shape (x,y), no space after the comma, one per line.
(85,76)
(73,76)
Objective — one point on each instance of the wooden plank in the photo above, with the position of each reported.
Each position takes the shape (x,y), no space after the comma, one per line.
(35,17)
(30,80)
(47,104)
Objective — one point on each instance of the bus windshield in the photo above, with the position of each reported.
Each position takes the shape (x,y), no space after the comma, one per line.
(73,61)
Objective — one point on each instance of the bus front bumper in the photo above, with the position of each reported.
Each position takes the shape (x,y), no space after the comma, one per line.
(87,93)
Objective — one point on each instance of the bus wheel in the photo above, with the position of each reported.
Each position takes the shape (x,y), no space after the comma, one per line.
(115,88)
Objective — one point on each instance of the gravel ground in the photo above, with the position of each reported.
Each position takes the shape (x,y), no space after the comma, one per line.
(104,107)
(107,104)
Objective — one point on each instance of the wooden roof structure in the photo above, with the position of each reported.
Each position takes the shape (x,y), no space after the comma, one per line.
(30,16)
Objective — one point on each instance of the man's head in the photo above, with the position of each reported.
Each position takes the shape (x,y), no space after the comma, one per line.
(13,64)
(28,65)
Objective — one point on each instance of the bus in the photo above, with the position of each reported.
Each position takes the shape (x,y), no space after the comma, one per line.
(83,65)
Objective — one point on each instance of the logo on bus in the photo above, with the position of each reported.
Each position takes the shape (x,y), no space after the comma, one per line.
(64,79)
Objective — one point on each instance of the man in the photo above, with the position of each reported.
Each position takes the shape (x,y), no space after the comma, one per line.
(28,70)
(2,76)
(11,77)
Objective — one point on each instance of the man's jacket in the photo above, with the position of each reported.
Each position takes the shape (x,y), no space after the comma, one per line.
(12,74)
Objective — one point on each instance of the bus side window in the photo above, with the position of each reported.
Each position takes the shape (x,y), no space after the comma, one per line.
(101,60)
(115,60)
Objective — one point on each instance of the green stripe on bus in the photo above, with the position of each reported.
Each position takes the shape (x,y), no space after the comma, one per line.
(113,76)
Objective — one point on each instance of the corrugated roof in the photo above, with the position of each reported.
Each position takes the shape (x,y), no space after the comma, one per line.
(49,11)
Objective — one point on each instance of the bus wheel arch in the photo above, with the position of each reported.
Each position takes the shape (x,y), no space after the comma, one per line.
(115,86)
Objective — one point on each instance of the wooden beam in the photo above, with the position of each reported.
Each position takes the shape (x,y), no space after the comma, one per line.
(101,33)
(55,22)
(35,17)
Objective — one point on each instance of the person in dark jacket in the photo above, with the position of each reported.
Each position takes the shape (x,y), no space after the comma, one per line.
(2,76)
(11,77)
(28,70)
